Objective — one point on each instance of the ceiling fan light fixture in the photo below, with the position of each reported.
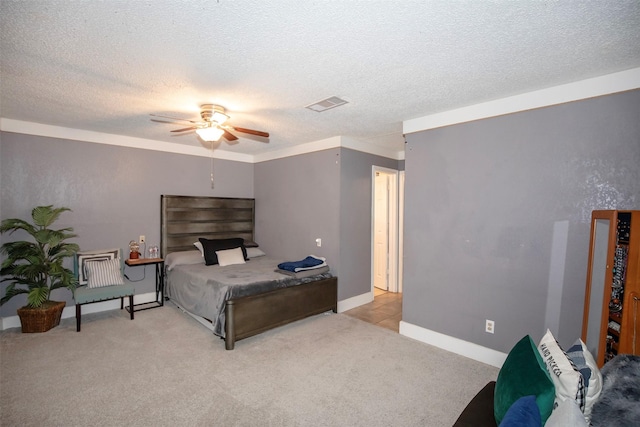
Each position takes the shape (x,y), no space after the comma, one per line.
(219,117)
(211,128)
(210,134)
(213,114)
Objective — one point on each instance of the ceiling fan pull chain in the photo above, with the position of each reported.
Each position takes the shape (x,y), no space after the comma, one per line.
(212,186)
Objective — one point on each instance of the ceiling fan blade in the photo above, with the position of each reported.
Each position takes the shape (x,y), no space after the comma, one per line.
(185,129)
(251,131)
(167,122)
(229,136)
(173,118)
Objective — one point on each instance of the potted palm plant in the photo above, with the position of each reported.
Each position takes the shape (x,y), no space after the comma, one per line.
(36,268)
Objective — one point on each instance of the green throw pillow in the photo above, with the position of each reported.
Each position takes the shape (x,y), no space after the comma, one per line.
(524,373)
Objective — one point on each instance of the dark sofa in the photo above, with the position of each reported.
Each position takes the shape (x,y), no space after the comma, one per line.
(479,412)
(618,403)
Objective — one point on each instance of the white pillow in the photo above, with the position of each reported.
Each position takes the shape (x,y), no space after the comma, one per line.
(254,252)
(200,248)
(567,415)
(565,376)
(230,257)
(104,273)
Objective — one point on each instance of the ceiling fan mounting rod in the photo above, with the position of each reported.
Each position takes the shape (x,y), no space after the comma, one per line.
(213,113)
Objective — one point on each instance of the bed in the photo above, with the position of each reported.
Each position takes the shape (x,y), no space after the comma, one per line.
(237,301)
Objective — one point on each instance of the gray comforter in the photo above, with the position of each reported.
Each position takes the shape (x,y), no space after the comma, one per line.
(203,290)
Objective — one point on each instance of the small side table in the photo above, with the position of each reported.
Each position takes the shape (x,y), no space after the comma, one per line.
(159,263)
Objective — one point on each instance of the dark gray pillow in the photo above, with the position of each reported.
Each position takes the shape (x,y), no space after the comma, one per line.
(210,246)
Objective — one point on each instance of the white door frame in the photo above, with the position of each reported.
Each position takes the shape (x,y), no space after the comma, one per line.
(393,225)
(400,230)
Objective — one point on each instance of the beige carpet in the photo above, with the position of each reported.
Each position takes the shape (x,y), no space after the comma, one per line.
(165,369)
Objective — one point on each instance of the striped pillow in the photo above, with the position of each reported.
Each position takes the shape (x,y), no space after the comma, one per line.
(104,273)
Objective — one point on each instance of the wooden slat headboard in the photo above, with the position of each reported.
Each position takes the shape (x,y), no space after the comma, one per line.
(186,218)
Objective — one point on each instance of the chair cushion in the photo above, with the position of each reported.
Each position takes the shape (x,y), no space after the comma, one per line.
(84,295)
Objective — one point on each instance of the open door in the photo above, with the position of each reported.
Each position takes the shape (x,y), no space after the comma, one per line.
(381,232)
(384,229)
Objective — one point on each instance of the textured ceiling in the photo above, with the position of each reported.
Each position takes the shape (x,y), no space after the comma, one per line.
(106,65)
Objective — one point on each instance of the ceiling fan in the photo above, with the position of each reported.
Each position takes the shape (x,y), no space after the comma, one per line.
(213,125)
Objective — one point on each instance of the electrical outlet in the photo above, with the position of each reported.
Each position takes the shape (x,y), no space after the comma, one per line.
(490,326)
(142,238)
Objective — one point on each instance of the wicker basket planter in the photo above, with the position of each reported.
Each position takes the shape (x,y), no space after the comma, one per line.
(41,319)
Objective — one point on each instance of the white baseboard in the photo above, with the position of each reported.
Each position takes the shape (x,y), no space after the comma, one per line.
(445,342)
(454,345)
(354,302)
(70,310)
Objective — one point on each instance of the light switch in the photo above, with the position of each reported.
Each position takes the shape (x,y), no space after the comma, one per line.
(318,242)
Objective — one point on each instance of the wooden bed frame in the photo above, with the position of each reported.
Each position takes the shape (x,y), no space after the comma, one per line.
(186,218)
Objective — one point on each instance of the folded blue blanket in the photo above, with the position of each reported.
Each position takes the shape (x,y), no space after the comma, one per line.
(305,263)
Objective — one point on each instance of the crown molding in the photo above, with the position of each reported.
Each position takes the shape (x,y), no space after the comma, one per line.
(310,147)
(38,129)
(576,91)
(364,147)
(326,144)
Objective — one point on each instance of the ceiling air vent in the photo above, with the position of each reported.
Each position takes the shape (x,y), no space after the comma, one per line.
(326,104)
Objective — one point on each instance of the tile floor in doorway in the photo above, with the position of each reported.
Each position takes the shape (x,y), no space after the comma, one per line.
(385,310)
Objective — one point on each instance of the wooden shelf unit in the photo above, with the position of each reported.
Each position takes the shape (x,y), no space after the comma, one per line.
(611,320)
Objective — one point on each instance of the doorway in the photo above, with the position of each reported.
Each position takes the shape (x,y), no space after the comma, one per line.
(385,233)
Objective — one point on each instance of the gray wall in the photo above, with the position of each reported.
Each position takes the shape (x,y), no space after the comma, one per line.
(355,220)
(497,217)
(114,192)
(325,194)
(297,201)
